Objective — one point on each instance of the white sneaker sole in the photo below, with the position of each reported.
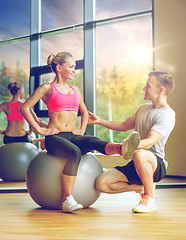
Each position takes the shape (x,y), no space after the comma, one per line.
(73,209)
(135,210)
(132,142)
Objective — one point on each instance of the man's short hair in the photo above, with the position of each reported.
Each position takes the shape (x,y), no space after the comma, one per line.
(164,80)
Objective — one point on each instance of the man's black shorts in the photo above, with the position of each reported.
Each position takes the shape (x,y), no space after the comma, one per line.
(130,171)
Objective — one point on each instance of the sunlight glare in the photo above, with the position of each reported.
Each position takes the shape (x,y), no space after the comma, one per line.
(140,55)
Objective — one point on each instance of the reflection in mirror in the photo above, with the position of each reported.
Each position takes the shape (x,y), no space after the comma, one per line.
(10,187)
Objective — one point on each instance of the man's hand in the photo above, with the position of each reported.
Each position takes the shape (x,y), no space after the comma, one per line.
(93,118)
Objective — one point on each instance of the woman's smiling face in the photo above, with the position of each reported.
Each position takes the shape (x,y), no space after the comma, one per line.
(68,68)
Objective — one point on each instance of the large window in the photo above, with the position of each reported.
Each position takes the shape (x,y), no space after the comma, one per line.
(14,18)
(71,42)
(122,66)
(113,49)
(115,8)
(14,64)
(59,14)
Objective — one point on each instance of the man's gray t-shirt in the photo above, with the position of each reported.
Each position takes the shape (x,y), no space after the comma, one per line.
(162,120)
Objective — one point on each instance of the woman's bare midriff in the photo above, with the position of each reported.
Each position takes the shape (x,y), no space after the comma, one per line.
(64,121)
(15,129)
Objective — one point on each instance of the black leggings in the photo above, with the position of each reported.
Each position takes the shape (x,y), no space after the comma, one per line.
(71,147)
(8,139)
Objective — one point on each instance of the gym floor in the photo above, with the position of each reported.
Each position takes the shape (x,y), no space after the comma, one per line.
(108,218)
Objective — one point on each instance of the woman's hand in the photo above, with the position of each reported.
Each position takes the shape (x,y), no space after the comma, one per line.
(47,131)
(29,132)
(2,131)
(93,118)
(41,123)
(78,132)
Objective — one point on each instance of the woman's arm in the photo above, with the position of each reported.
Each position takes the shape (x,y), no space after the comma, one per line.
(40,122)
(19,111)
(39,93)
(3,109)
(84,117)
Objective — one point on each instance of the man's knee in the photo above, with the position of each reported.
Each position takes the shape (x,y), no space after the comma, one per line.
(143,156)
(139,153)
(100,183)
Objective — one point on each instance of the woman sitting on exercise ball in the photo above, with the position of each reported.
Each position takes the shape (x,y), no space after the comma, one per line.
(15,131)
(62,138)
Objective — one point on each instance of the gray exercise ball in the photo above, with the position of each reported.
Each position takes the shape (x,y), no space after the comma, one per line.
(15,159)
(44,180)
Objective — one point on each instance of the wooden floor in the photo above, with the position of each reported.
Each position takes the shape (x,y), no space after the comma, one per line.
(109,218)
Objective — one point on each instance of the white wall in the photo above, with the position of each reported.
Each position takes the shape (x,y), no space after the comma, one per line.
(170,56)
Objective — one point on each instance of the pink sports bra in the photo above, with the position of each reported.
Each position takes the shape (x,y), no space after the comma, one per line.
(63,102)
(14,115)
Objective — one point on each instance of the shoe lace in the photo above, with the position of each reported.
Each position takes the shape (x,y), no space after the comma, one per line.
(144,199)
(141,194)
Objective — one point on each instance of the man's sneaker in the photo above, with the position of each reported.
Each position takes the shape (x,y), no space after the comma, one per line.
(147,204)
(129,145)
(70,205)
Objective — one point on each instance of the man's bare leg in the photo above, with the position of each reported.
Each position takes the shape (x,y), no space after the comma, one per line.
(145,164)
(113,181)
